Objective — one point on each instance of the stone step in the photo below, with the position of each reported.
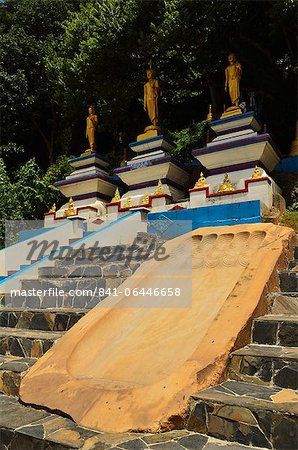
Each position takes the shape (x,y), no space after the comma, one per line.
(279,330)
(98,270)
(67,293)
(40,319)
(265,364)
(259,416)
(288,281)
(12,370)
(25,428)
(138,251)
(279,303)
(26,343)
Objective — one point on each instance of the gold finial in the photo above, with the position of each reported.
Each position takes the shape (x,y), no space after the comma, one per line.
(201,182)
(116,197)
(257,173)
(294,146)
(209,115)
(226,185)
(53,208)
(70,211)
(159,190)
(128,203)
(145,200)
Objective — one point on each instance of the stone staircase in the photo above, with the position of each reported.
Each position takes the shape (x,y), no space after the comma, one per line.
(236,415)
(30,325)
(258,404)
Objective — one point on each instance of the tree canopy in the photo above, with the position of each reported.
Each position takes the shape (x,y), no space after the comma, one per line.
(59,56)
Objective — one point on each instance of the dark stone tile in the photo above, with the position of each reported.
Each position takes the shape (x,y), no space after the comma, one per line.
(264,332)
(288,334)
(167,446)
(32,301)
(197,420)
(193,442)
(61,322)
(11,383)
(285,433)
(288,281)
(42,321)
(287,377)
(4,319)
(74,318)
(134,444)
(79,301)
(93,271)
(15,347)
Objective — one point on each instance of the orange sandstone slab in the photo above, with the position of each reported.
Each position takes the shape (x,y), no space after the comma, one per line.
(131,363)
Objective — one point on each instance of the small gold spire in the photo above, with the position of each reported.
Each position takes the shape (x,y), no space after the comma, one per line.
(116,197)
(201,182)
(159,190)
(257,173)
(226,185)
(70,211)
(145,200)
(53,208)
(128,203)
(209,115)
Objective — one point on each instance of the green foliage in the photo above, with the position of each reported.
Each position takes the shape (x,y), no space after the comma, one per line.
(189,138)
(290,219)
(29,193)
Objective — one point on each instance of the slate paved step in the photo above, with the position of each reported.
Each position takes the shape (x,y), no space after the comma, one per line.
(25,428)
(288,281)
(280,303)
(12,370)
(246,413)
(74,293)
(61,319)
(26,343)
(94,270)
(265,364)
(279,330)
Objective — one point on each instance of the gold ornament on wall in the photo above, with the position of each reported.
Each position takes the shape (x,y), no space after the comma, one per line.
(201,183)
(159,190)
(145,200)
(53,208)
(209,115)
(226,185)
(70,211)
(257,173)
(116,197)
(128,203)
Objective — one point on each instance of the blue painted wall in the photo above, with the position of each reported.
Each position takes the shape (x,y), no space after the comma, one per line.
(174,223)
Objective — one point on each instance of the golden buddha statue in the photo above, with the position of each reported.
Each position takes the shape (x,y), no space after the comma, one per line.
(70,211)
(53,208)
(116,197)
(91,127)
(151,93)
(201,183)
(233,75)
(257,173)
(128,203)
(226,185)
